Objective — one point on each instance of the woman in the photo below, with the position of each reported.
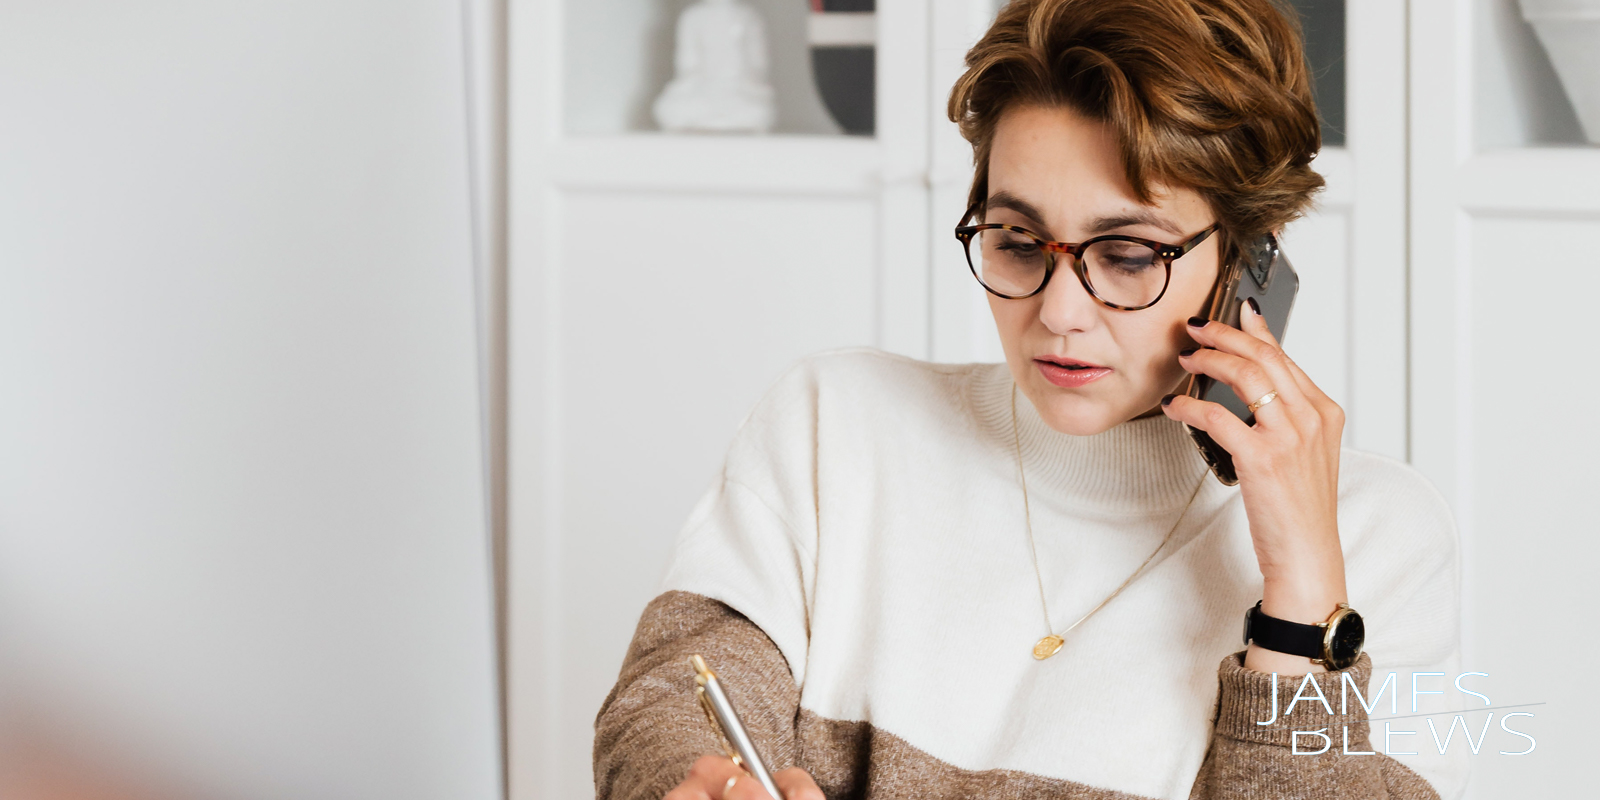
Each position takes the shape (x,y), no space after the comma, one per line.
(917,584)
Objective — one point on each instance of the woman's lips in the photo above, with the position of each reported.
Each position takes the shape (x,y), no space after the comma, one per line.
(1070,378)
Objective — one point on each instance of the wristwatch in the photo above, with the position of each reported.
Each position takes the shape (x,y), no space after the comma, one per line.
(1334,643)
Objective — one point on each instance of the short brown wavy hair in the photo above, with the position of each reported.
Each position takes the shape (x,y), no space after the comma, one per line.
(1209,94)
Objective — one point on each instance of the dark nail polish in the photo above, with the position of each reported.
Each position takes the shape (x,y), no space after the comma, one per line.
(1198,322)
(1254,306)
(1188,351)
(1168,399)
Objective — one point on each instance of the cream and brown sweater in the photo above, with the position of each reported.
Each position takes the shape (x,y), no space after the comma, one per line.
(859,576)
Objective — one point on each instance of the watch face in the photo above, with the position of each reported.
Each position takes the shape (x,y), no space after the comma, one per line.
(1349,634)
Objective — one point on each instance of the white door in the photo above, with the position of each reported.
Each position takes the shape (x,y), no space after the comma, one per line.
(1503,285)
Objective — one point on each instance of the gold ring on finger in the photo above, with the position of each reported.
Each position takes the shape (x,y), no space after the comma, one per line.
(1263,400)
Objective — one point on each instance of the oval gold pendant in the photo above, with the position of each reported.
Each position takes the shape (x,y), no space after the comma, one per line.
(1047,647)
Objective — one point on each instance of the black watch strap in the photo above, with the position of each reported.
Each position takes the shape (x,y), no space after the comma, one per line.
(1281,635)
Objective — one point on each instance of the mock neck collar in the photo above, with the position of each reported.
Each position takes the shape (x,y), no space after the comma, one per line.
(1141,466)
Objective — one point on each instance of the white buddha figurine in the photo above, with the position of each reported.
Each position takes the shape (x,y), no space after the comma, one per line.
(721,72)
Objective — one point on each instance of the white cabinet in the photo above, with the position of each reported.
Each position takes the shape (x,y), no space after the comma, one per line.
(1503,280)
(659,283)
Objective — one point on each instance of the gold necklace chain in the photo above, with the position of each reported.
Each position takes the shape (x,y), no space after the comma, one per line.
(1052,642)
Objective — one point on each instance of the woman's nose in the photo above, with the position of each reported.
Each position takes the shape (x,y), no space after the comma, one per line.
(1067,307)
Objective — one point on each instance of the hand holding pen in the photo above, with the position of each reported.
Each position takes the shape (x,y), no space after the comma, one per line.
(742,774)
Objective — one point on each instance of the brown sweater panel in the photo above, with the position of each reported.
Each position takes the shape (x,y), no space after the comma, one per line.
(650,729)
(1246,760)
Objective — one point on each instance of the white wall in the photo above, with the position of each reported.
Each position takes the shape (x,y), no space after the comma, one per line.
(242,529)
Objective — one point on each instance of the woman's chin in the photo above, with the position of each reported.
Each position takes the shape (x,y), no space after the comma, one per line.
(1077,415)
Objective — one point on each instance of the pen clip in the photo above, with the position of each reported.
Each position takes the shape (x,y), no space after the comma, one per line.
(702,676)
(731,733)
(716,727)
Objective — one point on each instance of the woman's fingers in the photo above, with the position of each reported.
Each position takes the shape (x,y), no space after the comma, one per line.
(718,778)
(796,784)
(1248,381)
(1249,360)
(1268,359)
(744,787)
(1213,418)
(1256,325)
(708,780)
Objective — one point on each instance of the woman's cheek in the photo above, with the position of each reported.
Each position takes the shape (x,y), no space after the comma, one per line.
(1162,374)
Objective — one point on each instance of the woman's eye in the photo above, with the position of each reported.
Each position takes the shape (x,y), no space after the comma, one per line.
(1126,260)
(1128,264)
(1011,250)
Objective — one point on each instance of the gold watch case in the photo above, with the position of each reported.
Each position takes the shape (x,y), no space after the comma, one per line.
(1336,623)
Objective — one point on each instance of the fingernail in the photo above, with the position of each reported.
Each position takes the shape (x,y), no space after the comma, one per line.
(1188,351)
(1168,399)
(1198,322)
(1254,308)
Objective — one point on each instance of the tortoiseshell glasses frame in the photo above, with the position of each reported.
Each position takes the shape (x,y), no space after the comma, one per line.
(1166,252)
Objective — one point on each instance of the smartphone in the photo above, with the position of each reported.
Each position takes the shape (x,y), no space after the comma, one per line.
(1264,273)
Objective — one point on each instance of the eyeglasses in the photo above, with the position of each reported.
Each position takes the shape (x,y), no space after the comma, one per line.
(1123,272)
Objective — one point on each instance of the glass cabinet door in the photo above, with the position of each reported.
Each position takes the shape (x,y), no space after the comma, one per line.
(1324,26)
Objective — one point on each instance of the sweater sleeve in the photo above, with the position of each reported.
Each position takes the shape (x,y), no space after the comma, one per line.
(651,729)
(1316,745)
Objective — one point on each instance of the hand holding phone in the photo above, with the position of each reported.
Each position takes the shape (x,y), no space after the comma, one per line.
(1285,456)
(1264,275)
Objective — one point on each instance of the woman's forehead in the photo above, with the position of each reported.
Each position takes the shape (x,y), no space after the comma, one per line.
(1059,168)
(1088,222)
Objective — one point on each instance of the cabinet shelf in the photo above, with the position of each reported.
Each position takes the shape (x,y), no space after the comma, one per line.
(616,56)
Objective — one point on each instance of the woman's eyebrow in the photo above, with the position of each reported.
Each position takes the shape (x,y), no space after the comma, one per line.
(1004,199)
(1140,216)
(1122,219)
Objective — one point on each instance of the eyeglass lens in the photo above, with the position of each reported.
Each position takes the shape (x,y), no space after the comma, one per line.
(1121,272)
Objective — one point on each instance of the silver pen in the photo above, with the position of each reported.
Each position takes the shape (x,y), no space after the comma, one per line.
(736,741)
